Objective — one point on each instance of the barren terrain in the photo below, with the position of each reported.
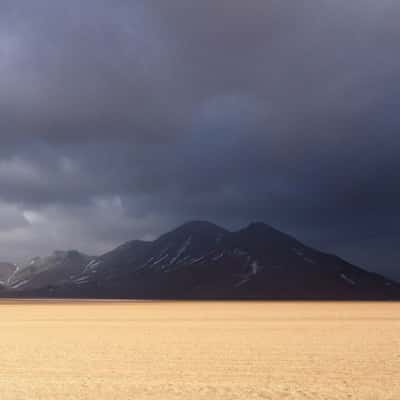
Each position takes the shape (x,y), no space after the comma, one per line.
(199,350)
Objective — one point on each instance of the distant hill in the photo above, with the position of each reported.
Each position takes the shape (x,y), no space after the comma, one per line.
(200,260)
(58,269)
(6,271)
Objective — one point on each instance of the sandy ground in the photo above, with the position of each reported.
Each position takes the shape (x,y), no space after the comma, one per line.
(189,350)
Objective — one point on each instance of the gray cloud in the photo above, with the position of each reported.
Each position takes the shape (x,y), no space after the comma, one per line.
(120,121)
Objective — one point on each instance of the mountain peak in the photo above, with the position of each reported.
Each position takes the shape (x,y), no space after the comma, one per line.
(203,228)
(258,225)
(261,228)
(67,253)
(259,232)
(200,225)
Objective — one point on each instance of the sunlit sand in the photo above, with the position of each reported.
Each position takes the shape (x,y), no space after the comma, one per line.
(199,350)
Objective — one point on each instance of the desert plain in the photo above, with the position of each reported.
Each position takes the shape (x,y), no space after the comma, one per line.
(108,350)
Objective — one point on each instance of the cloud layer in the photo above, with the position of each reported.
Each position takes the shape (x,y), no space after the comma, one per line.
(122,120)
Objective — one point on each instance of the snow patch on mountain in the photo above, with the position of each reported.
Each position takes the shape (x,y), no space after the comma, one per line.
(91,266)
(255,267)
(218,256)
(19,284)
(181,250)
(347,279)
(298,252)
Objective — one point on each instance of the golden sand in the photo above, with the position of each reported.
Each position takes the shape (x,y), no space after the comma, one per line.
(194,350)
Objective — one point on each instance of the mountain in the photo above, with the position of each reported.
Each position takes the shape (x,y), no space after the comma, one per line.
(6,271)
(58,269)
(200,260)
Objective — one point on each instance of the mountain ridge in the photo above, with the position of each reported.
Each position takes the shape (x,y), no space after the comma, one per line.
(201,260)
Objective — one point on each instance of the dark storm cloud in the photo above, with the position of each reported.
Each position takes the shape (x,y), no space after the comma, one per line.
(122,119)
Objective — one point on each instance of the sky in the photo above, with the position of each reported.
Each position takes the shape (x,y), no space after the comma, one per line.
(120,120)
